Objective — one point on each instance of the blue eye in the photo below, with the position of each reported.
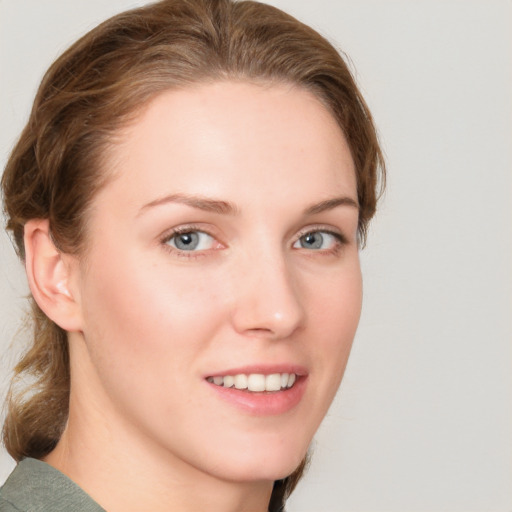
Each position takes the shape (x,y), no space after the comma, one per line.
(317,240)
(191,241)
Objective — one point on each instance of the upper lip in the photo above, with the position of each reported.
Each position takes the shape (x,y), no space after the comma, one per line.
(265,369)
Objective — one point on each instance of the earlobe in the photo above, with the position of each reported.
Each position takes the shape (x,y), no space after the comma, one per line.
(50,275)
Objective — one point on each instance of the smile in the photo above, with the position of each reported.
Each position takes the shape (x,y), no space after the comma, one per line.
(255,382)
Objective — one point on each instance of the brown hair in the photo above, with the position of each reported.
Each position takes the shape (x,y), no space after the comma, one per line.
(100,83)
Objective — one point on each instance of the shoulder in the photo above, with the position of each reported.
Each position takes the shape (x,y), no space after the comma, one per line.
(6,506)
(35,486)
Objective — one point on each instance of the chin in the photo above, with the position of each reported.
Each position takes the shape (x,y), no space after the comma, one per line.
(266,465)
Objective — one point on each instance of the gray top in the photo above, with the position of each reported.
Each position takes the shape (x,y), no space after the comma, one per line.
(35,486)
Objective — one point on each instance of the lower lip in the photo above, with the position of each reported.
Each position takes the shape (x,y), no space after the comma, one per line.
(265,403)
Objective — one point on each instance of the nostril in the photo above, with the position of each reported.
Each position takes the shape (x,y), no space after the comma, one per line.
(260,331)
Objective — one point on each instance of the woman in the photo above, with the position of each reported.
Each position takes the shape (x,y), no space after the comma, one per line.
(189,197)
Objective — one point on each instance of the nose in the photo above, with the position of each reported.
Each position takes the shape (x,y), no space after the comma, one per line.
(267,298)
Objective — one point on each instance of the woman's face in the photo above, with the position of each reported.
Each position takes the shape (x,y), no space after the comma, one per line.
(222,253)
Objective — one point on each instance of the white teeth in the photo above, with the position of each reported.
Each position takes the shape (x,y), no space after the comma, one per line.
(241,381)
(228,381)
(273,382)
(255,382)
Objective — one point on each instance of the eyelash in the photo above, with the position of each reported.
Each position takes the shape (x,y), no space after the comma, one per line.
(179,231)
(340,238)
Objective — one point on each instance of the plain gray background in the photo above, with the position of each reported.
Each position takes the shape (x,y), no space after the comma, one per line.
(423,421)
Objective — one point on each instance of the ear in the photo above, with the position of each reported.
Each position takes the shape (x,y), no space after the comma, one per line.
(51,275)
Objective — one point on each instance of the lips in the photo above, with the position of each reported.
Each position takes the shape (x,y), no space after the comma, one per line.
(261,390)
(255,382)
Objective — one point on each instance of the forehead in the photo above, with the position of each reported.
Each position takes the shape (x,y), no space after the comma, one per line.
(208,138)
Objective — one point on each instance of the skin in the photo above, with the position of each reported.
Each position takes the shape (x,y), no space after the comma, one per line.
(148,322)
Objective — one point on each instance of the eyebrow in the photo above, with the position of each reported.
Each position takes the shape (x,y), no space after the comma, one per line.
(199,202)
(227,208)
(330,204)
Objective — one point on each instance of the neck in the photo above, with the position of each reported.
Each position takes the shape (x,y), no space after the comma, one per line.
(123,471)
(140,487)
(123,476)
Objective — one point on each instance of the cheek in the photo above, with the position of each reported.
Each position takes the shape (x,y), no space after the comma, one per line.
(337,300)
(147,331)
(335,312)
(145,317)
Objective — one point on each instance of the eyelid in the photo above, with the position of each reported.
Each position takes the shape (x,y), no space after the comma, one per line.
(338,242)
(187,228)
(202,239)
(339,235)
